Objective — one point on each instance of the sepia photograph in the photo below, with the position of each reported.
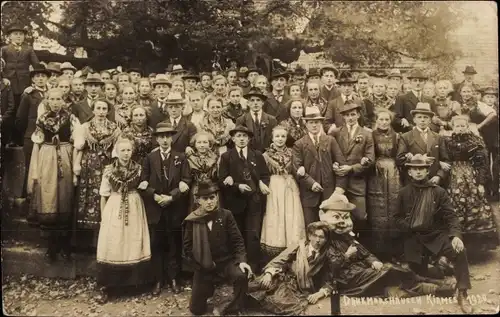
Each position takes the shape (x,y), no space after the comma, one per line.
(249,158)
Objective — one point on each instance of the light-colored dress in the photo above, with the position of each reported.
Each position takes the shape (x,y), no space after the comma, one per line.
(283,223)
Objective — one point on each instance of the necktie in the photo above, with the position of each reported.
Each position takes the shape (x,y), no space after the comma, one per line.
(312,256)
(316,140)
(424,136)
(256,115)
(175,123)
(349,129)
(241,154)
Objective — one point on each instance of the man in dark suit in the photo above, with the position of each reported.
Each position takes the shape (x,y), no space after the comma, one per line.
(313,158)
(161,86)
(403,120)
(257,121)
(276,100)
(421,140)
(213,245)
(83,109)
(356,144)
(328,77)
(244,175)
(184,127)
(428,224)
(469,74)
(8,110)
(166,178)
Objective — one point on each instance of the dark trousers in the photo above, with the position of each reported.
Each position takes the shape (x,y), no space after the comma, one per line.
(250,223)
(27,149)
(459,261)
(58,240)
(166,251)
(204,286)
(311,214)
(359,217)
(15,136)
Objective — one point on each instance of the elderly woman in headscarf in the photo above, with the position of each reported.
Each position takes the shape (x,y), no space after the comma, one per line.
(299,276)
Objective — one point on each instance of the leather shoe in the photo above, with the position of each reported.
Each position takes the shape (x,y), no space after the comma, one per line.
(103,296)
(176,287)
(157,289)
(464,302)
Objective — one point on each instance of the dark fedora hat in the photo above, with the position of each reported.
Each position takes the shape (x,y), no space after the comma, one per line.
(329,67)
(277,73)
(416,73)
(469,70)
(40,69)
(300,70)
(490,91)
(419,160)
(207,188)
(348,106)
(313,72)
(240,128)
(256,93)
(93,78)
(191,75)
(16,27)
(346,78)
(164,128)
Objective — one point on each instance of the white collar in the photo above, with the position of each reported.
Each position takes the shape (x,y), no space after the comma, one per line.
(245,151)
(312,136)
(416,93)
(310,251)
(353,127)
(259,114)
(422,131)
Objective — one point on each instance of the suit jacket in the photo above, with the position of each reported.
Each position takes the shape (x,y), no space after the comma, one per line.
(267,123)
(319,167)
(17,65)
(412,142)
(152,172)
(185,131)
(232,165)
(353,152)
(329,94)
(157,114)
(404,104)
(225,239)
(275,108)
(27,113)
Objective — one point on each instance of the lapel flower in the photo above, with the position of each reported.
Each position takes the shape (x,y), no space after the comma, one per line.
(358,138)
(253,164)
(263,125)
(176,161)
(218,220)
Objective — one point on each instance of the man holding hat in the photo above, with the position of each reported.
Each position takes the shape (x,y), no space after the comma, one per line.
(165,184)
(161,85)
(428,224)
(214,246)
(469,73)
(328,77)
(403,120)
(422,140)
(245,177)
(313,159)
(276,100)
(257,121)
(83,109)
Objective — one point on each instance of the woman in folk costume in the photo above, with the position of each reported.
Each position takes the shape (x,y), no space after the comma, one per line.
(144,96)
(383,184)
(445,108)
(294,125)
(51,179)
(202,162)
(94,144)
(140,131)
(122,111)
(298,276)
(111,92)
(216,124)
(283,224)
(63,83)
(468,175)
(123,247)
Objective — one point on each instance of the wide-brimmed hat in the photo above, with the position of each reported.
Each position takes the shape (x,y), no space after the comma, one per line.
(67,65)
(378,74)
(420,160)
(338,203)
(395,73)
(207,188)
(40,69)
(313,72)
(175,98)
(93,78)
(416,73)
(54,67)
(299,70)
(255,92)
(191,75)
(164,128)
(277,73)
(329,67)
(422,107)
(490,91)
(348,106)
(346,78)
(313,113)
(469,70)
(240,128)
(160,79)
(16,27)
(177,70)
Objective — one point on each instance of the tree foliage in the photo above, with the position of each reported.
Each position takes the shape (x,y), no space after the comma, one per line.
(198,33)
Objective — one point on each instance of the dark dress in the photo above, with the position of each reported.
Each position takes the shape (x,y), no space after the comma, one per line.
(143,141)
(382,191)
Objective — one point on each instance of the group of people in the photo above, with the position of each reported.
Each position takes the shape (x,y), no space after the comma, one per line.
(233,174)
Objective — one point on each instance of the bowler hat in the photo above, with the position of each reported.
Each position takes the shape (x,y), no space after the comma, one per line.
(348,106)
(174,98)
(419,160)
(490,91)
(164,128)
(240,128)
(93,79)
(347,78)
(422,107)
(40,69)
(313,72)
(277,73)
(299,70)
(255,92)
(191,75)
(67,65)
(160,79)
(395,73)
(54,67)
(313,113)
(329,67)
(416,73)
(16,27)
(207,188)
(469,70)
(337,203)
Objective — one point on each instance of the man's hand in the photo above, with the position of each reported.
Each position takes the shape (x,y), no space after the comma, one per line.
(333,128)
(436,120)
(165,200)
(143,185)
(228,181)
(344,170)
(75,180)
(266,280)
(457,244)
(350,251)
(6,82)
(189,151)
(157,198)
(245,268)
(244,188)
(365,161)
(263,188)
(435,180)
(445,166)
(183,187)
(405,123)
(314,298)
(409,156)
(316,187)
(377,265)
(301,171)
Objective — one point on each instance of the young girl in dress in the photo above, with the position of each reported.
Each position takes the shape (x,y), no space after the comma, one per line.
(50,177)
(140,131)
(283,223)
(123,247)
